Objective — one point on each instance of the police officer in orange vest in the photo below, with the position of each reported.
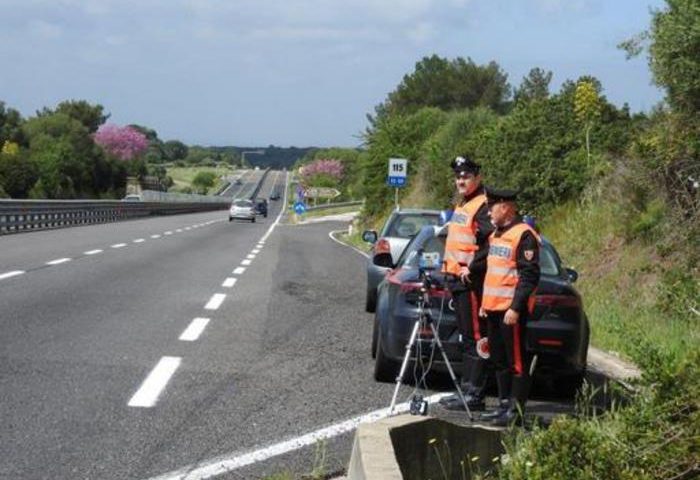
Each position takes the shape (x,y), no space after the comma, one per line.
(512,275)
(464,268)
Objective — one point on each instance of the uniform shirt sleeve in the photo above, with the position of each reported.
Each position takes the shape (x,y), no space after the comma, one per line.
(484,227)
(528,264)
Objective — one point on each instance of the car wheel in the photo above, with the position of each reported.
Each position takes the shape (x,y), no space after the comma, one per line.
(230,219)
(385,369)
(568,386)
(252,220)
(375,335)
(371,301)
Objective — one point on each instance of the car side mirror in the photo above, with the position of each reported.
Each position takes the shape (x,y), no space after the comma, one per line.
(572,274)
(383,260)
(369,236)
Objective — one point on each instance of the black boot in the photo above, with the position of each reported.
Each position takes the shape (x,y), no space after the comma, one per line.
(502,408)
(516,413)
(475,404)
(503,380)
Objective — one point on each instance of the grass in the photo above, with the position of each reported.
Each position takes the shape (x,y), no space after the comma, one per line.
(619,281)
(183,176)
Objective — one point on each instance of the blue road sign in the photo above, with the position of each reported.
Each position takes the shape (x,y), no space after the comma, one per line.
(396,181)
(299,208)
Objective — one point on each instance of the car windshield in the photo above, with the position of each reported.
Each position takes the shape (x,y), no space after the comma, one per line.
(405,226)
(549,263)
(242,203)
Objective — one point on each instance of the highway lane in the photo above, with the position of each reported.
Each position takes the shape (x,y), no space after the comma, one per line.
(79,337)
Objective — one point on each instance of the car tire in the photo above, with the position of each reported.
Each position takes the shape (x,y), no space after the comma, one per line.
(265,215)
(252,220)
(385,369)
(375,335)
(230,219)
(569,385)
(371,301)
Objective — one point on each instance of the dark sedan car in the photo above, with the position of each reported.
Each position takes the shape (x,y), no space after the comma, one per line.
(558,332)
(261,207)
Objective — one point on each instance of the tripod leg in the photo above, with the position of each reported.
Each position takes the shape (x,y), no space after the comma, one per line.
(404,364)
(452,373)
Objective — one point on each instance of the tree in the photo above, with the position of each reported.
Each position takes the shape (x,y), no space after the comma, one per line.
(449,85)
(175,150)
(91,116)
(18,173)
(675,53)
(203,181)
(124,143)
(11,126)
(587,107)
(534,86)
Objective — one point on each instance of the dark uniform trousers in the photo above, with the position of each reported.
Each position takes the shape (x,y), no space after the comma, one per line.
(509,356)
(475,369)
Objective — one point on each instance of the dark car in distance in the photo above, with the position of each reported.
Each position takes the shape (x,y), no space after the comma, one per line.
(275,195)
(261,206)
(558,332)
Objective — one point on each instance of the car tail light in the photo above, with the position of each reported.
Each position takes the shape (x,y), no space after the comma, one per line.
(382,246)
(558,301)
(550,342)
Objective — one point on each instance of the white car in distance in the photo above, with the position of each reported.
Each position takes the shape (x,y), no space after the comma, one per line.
(243,210)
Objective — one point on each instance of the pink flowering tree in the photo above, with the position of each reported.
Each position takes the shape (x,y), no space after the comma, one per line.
(322,173)
(124,143)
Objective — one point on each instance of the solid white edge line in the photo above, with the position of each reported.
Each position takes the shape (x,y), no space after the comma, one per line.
(147,394)
(194,330)
(238,270)
(229,282)
(93,252)
(245,262)
(215,301)
(11,274)
(119,245)
(58,261)
(233,461)
(330,234)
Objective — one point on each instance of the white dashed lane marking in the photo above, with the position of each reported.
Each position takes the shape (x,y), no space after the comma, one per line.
(93,252)
(155,236)
(11,274)
(168,232)
(245,262)
(194,330)
(139,240)
(58,261)
(238,270)
(251,256)
(119,245)
(147,395)
(215,301)
(229,282)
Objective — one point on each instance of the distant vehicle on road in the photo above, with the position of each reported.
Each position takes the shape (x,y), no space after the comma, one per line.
(393,238)
(133,197)
(558,332)
(242,209)
(275,195)
(261,206)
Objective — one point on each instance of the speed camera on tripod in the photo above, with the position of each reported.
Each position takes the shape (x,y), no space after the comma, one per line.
(429,261)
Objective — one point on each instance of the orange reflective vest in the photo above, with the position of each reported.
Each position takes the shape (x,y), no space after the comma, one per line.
(460,245)
(502,271)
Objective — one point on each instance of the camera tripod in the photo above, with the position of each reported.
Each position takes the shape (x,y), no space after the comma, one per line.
(424,319)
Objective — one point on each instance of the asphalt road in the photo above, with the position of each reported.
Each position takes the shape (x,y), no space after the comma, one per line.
(285,351)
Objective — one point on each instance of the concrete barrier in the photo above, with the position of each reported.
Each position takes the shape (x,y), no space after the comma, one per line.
(413,447)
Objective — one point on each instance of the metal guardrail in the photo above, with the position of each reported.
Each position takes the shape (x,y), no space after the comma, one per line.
(333,205)
(18,216)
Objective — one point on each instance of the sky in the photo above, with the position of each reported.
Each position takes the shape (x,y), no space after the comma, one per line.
(295,72)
